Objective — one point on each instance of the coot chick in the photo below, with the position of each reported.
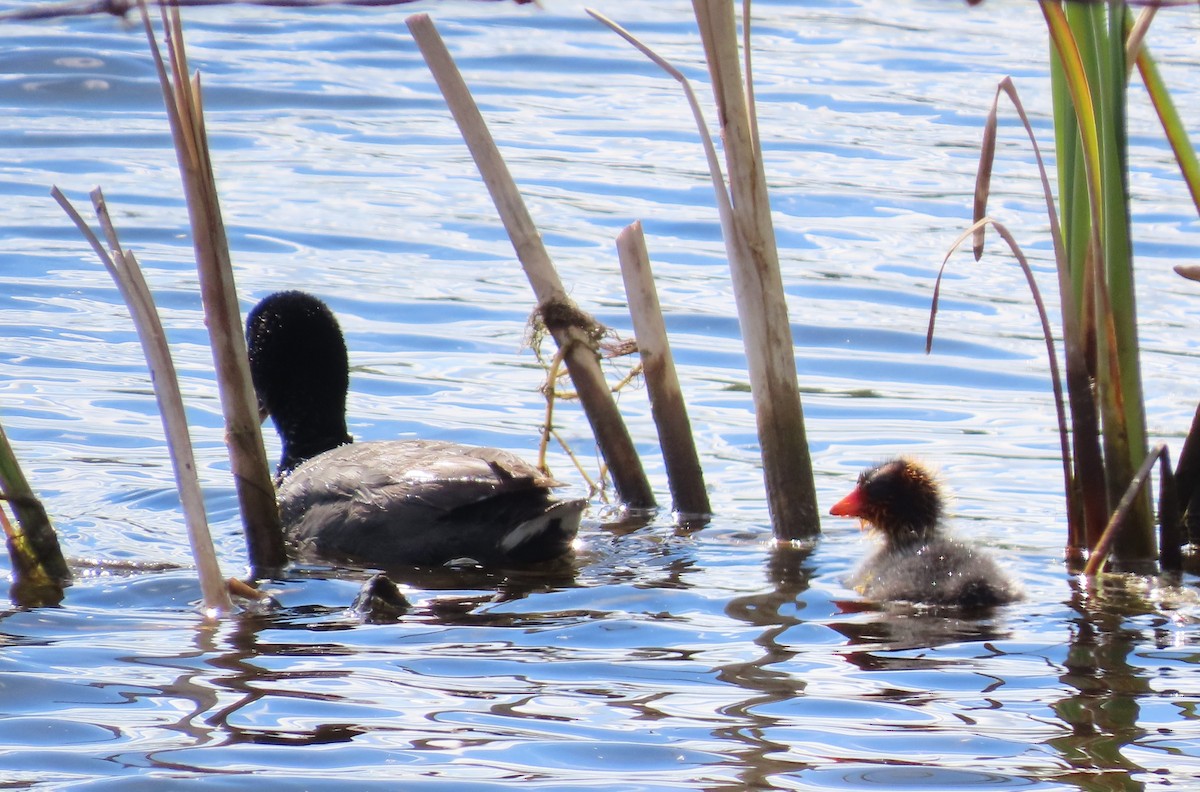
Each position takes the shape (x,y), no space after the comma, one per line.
(394,502)
(917,561)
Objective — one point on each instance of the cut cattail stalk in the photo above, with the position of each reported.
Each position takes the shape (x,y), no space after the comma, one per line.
(757,284)
(684,474)
(565,321)
(758,288)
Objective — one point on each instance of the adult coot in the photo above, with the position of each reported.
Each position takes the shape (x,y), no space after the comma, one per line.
(394,502)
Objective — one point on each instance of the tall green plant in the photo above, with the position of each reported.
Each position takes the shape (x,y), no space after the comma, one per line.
(1089,80)
(1092,45)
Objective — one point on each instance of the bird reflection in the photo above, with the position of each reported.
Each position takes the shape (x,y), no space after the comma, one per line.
(1102,711)
(880,630)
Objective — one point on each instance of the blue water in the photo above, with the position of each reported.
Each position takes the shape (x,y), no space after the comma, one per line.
(660,659)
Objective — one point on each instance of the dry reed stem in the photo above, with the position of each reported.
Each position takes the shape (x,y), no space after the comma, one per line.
(758,289)
(758,286)
(239,405)
(747,53)
(724,210)
(122,265)
(1117,521)
(684,474)
(1136,38)
(580,357)
(1047,335)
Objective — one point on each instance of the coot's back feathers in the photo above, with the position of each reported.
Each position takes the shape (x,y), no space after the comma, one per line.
(425,503)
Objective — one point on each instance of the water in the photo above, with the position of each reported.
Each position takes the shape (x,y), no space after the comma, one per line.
(660,659)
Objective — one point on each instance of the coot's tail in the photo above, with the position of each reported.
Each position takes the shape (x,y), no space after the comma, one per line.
(546,535)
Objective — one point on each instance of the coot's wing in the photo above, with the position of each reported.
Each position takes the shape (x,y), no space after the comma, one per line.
(425,502)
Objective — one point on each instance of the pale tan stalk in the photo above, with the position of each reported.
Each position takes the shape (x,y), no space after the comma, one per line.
(684,474)
(124,269)
(579,354)
(758,285)
(758,288)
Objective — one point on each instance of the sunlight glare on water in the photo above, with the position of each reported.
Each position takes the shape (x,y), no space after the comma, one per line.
(661,658)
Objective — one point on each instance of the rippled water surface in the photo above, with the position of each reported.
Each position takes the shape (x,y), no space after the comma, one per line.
(659,658)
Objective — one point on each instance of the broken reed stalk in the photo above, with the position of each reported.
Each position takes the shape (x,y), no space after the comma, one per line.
(579,354)
(1187,480)
(747,54)
(39,570)
(124,269)
(243,432)
(684,475)
(1170,518)
(791,492)
(1119,519)
(758,288)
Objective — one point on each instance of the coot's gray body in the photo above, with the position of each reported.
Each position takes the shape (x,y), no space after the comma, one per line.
(424,503)
(386,503)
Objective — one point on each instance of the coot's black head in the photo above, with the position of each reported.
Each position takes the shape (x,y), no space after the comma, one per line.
(900,498)
(301,373)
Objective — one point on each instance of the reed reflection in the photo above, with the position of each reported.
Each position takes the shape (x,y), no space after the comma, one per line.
(245,682)
(775,611)
(1103,712)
